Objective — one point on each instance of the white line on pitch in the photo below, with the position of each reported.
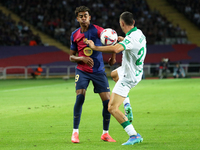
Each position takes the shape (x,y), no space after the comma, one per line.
(31,87)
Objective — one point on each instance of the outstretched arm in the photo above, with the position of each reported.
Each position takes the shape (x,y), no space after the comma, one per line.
(107,49)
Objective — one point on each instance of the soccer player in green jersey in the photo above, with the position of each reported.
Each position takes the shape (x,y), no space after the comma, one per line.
(133,48)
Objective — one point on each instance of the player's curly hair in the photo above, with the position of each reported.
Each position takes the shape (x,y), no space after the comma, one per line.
(128,18)
(81,9)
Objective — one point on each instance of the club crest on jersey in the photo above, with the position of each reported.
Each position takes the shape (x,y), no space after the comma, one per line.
(88,51)
(84,40)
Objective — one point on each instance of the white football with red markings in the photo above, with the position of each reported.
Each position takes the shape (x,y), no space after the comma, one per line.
(108,36)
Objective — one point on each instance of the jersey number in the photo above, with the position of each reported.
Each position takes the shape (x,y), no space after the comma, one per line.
(141,52)
(76,78)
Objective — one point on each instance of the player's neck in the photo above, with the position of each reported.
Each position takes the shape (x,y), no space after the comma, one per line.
(84,28)
(128,28)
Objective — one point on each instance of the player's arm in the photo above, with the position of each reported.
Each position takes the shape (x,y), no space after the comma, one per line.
(120,38)
(73,57)
(107,49)
(87,60)
(112,60)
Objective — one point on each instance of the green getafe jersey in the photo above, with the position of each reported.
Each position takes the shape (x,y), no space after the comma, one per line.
(134,54)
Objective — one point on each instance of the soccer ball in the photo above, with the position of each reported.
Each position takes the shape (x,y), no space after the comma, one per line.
(108,37)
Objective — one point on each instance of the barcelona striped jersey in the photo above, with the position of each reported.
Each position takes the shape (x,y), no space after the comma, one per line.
(83,50)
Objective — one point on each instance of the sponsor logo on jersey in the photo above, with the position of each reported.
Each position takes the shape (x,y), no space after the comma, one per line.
(88,51)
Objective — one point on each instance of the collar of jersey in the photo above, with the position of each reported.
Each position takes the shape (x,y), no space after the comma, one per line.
(133,29)
(87,30)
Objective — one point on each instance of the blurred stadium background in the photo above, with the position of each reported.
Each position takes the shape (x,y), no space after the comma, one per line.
(38,32)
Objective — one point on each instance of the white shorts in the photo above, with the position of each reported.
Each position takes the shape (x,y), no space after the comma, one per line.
(123,85)
(120,72)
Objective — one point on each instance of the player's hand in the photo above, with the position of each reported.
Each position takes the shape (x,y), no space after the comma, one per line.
(90,43)
(120,38)
(111,61)
(89,61)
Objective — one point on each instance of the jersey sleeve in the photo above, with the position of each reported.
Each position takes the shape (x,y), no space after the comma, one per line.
(127,43)
(73,45)
(99,30)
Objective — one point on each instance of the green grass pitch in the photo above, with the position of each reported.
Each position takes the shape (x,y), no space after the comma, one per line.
(38,114)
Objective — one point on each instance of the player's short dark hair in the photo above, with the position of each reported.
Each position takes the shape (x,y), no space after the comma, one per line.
(81,9)
(127,17)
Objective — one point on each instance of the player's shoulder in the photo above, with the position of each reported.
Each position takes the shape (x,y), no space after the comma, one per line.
(140,32)
(134,31)
(76,30)
(135,34)
(97,27)
(76,34)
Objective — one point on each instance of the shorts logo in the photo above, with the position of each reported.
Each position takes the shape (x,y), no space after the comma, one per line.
(138,72)
(122,84)
(88,51)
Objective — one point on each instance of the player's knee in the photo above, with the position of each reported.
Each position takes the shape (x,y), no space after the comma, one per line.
(80,91)
(112,109)
(114,75)
(109,109)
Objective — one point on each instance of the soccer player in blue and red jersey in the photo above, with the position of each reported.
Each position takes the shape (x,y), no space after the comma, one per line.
(90,68)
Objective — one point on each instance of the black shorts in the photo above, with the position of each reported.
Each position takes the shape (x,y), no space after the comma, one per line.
(99,80)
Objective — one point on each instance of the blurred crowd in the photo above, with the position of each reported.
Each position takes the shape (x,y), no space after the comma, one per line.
(190,8)
(13,33)
(57,18)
